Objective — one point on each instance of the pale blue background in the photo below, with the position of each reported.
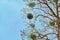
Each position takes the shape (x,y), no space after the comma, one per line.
(10,19)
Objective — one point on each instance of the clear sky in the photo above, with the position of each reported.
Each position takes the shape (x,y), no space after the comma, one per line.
(10,19)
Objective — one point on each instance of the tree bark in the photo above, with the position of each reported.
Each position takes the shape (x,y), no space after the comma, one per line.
(58,30)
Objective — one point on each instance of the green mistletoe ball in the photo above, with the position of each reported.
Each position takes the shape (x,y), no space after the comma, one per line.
(32,36)
(52,23)
(31,4)
(32,25)
(29,16)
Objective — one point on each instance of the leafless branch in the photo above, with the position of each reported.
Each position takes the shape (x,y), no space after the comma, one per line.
(49,8)
(47,34)
(44,16)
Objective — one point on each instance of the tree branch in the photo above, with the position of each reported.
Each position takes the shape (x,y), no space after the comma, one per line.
(49,8)
(47,34)
(44,11)
(44,16)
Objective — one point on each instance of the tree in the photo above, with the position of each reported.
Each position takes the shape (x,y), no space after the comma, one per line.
(46,13)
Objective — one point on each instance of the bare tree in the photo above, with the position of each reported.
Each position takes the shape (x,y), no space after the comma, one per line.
(44,15)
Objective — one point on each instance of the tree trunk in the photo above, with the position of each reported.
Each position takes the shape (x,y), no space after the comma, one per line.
(58,31)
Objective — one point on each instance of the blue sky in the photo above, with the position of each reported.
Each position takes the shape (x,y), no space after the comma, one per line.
(10,19)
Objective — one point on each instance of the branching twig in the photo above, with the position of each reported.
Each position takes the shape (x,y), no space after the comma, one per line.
(48,7)
(44,16)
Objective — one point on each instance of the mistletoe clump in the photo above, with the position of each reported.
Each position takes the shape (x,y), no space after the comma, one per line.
(52,23)
(32,25)
(29,16)
(32,36)
(31,4)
